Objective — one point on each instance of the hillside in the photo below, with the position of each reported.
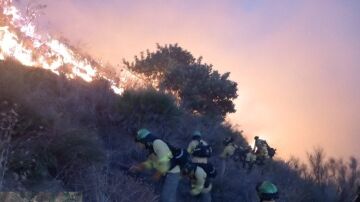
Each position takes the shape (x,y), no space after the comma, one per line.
(70,135)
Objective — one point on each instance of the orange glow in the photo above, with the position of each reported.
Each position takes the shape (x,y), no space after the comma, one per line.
(19,40)
(296,62)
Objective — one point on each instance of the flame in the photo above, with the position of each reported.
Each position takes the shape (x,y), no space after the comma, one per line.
(19,40)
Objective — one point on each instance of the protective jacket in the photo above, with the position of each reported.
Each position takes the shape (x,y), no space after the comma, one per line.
(160,157)
(250,157)
(199,182)
(229,150)
(261,148)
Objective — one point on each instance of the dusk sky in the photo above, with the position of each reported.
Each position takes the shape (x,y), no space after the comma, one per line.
(296,62)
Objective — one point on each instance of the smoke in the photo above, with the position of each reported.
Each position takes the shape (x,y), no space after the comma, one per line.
(296,62)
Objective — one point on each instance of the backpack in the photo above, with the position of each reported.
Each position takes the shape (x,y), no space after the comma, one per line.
(202,150)
(209,169)
(180,156)
(271,151)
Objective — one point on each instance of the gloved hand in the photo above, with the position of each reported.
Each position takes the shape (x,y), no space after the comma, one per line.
(157,176)
(136,168)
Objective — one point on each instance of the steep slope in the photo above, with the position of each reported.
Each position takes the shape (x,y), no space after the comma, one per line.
(71,135)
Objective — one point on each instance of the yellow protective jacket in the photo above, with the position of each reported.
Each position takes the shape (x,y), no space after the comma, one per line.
(261,148)
(250,157)
(160,158)
(198,182)
(192,145)
(229,150)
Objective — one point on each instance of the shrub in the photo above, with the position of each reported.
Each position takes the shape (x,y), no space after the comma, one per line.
(146,107)
(74,151)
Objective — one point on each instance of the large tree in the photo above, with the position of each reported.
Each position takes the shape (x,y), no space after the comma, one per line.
(199,89)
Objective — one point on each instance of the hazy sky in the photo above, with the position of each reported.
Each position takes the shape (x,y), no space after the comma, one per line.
(297,62)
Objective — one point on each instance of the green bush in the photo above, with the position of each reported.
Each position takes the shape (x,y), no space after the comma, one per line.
(147,100)
(147,107)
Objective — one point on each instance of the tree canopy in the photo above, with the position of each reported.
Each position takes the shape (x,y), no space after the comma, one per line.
(199,89)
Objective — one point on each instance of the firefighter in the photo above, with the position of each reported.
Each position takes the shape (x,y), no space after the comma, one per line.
(261,150)
(199,149)
(229,149)
(159,158)
(267,191)
(200,181)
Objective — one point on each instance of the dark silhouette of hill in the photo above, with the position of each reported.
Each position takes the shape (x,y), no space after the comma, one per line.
(70,135)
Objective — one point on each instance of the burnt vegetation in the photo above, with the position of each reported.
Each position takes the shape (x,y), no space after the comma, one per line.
(69,135)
